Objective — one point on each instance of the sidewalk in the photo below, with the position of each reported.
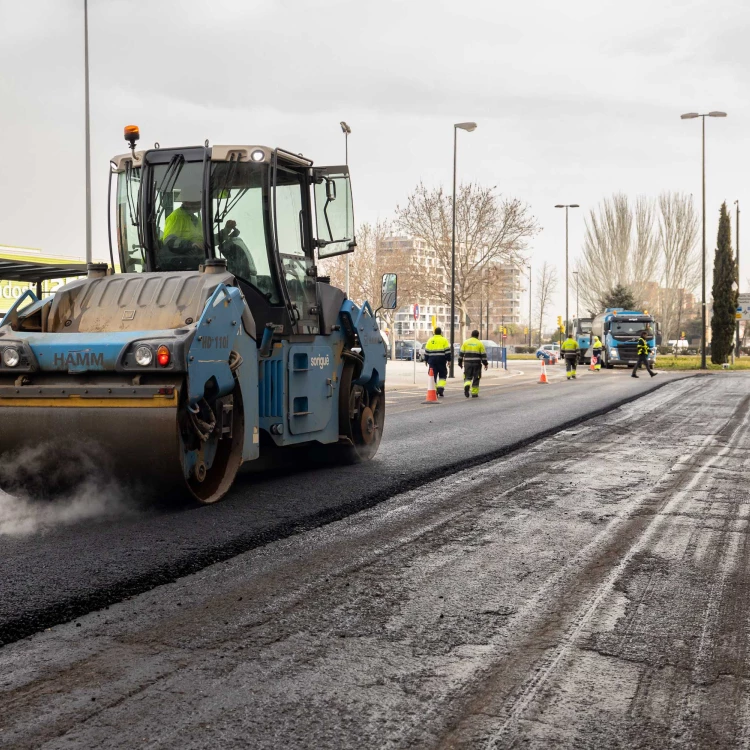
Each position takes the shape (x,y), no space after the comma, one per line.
(400,375)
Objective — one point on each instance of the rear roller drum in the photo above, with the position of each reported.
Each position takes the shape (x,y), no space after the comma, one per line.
(361,418)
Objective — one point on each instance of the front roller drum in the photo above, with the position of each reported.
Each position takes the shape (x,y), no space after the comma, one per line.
(144,447)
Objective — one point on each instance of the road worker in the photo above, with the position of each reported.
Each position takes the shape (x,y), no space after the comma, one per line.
(570,352)
(471,357)
(643,352)
(438,353)
(596,351)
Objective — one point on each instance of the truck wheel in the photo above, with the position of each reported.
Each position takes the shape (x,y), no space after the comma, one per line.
(361,418)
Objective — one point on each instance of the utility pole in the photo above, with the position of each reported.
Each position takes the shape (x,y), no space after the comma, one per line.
(692,116)
(468,127)
(566,206)
(87,117)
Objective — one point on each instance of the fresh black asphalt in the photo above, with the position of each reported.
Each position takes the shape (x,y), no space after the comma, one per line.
(53,577)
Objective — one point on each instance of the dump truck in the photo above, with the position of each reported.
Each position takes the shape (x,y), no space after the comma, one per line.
(219,338)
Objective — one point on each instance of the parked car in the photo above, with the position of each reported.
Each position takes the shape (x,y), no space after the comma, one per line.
(405,350)
(421,352)
(546,350)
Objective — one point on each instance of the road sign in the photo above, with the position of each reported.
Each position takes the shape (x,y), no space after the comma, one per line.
(416,312)
(743,307)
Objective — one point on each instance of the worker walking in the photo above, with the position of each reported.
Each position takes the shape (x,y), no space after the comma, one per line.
(437,355)
(570,352)
(643,352)
(471,357)
(596,350)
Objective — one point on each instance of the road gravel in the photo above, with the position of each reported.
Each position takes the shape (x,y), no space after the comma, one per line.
(588,591)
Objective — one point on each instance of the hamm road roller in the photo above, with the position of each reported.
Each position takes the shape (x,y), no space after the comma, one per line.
(218,338)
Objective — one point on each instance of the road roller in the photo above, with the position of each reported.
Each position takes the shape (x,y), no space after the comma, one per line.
(211,336)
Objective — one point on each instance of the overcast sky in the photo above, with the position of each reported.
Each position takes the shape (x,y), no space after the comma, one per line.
(573,100)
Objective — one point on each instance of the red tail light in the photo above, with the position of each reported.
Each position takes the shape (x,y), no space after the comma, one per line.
(162,355)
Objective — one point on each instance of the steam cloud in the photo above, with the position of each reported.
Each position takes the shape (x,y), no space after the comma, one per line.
(47,486)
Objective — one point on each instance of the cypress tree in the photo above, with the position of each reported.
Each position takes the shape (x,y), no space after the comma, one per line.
(724,297)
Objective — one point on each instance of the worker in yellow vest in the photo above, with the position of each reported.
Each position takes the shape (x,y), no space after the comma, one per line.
(471,357)
(596,351)
(570,352)
(437,354)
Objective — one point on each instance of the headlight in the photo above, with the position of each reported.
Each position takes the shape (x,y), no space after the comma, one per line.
(614,354)
(144,356)
(11,357)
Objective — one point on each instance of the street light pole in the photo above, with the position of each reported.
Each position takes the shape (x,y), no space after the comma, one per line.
(346,130)
(468,127)
(566,206)
(529,267)
(692,116)
(87,128)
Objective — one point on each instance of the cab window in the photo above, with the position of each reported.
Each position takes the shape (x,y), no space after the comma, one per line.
(240,224)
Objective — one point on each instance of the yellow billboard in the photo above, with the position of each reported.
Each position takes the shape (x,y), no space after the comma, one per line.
(10,291)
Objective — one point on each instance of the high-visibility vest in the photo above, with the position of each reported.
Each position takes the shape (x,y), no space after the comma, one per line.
(472,351)
(438,345)
(643,347)
(569,345)
(184,225)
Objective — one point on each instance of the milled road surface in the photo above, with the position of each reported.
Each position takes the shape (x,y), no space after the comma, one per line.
(589,591)
(67,570)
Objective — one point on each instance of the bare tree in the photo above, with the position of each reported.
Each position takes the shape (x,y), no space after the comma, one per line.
(680,260)
(546,284)
(489,229)
(366,268)
(619,248)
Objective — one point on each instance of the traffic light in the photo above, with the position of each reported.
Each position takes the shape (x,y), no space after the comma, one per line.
(525,330)
(560,323)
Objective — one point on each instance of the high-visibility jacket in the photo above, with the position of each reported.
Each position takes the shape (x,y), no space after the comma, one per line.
(184,225)
(569,345)
(438,346)
(597,343)
(472,352)
(643,347)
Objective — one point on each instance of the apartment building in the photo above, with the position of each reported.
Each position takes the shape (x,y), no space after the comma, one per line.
(502,298)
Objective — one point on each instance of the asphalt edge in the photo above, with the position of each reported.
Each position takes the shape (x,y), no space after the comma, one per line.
(32,622)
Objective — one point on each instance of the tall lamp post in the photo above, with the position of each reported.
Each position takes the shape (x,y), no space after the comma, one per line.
(692,116)
(566,206)
(346,130)
(737,243)
(87,128)
(468,127)
(529,267)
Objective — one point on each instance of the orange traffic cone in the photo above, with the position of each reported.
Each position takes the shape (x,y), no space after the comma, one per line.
(543,376)
(592,366)
(431,392)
